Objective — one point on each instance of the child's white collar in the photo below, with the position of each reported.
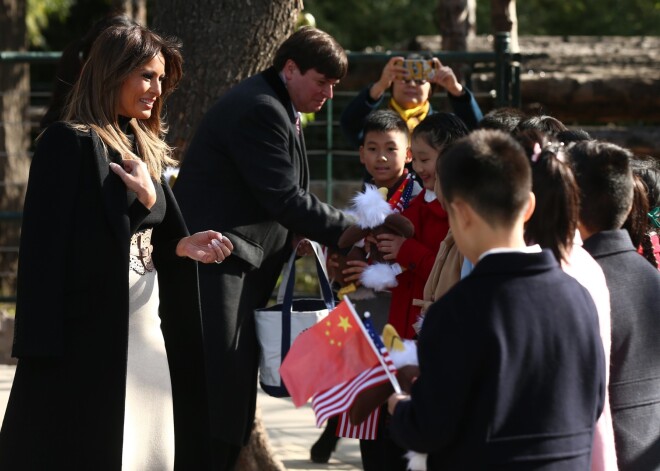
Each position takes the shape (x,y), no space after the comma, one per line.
(530,249)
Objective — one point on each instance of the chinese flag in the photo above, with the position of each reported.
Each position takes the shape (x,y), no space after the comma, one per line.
(331,352)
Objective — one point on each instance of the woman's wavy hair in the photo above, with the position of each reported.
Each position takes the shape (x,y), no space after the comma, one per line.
(646,201)
(116,53)
(73,57)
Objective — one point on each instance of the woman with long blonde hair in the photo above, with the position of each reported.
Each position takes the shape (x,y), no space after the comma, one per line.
(110,373)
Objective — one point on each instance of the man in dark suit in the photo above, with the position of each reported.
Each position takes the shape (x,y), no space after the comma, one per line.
(512,368)
(606,186)
(246,173)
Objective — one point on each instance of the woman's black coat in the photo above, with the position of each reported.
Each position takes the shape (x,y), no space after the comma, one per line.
(66,407)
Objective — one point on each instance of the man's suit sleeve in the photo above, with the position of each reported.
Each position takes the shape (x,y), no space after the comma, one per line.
(262,152)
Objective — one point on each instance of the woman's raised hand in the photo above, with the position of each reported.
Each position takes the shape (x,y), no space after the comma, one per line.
(136,177)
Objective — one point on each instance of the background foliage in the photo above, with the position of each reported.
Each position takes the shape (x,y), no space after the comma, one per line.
(589,17)
(386,23)
(367,23)
(39,14)
(391,23)
(52,24)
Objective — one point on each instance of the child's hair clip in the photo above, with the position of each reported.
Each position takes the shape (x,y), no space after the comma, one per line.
(536,152)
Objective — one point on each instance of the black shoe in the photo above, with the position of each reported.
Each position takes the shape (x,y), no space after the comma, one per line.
(326,444)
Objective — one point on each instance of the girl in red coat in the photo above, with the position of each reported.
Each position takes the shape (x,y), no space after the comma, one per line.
(416,255)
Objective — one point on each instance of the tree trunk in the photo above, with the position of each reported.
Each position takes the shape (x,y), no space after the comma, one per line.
(223,43)
(456,22)
(258,454)
(503,18)
(14,134)
(135,9)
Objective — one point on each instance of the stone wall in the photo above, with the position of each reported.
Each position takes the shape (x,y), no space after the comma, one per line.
(588,79)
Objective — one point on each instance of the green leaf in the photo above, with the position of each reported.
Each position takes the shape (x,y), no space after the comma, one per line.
(38,14)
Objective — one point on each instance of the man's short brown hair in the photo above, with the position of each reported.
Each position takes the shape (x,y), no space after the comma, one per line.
(311,48)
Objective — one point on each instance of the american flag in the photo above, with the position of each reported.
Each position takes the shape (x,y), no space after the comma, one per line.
(367,430)
(339,399)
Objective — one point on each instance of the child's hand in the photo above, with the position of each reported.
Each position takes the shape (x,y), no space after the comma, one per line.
(302,246)
(332,266)
(332,262)
(393,401)
(354,270)
(407,375)
(370,244)
(389,245)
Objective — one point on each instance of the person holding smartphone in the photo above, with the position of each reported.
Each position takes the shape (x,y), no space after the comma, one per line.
(409,96)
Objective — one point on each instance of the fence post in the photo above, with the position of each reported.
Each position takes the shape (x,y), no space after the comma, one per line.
(516,94)
(502,68)
(328,156)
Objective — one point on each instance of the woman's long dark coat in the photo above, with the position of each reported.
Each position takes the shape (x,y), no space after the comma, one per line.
(66,408)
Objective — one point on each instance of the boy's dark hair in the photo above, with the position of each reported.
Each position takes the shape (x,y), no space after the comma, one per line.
(440,130)
(544,123)
(384,121)
(489,170)
(602,171)
(504,119)
(573,135)
(311,48)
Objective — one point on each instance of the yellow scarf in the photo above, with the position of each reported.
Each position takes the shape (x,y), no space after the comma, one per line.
(412,116)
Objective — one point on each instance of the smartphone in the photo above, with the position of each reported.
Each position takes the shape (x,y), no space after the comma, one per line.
(418,69)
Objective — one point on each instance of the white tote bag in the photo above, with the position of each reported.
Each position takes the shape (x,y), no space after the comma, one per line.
(277,326)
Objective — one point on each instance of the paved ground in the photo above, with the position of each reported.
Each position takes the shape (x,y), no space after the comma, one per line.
(292,431)
(6,377)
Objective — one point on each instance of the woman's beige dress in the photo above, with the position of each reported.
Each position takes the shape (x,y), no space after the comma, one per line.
(148,413)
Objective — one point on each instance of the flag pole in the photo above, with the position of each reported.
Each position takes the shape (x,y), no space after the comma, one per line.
(392,378)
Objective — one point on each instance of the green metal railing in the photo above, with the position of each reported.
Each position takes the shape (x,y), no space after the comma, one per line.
(504,63)
(31,57)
